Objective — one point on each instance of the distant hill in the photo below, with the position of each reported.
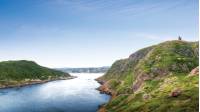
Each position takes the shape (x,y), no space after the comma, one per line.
(19,72)
(159,78)
(85,70)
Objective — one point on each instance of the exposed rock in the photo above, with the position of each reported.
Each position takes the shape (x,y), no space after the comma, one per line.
(100,81)
(194,72)
(159,71)
(137,85)
(140,79)
(140,54)
(146,96)
(182,67)
(102,109)
(104,89)
(196,51)
(175,93)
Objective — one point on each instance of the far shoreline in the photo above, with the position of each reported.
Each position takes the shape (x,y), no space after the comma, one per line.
(28,83)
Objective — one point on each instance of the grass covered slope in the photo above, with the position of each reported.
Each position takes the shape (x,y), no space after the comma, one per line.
(154,79)
(19,72)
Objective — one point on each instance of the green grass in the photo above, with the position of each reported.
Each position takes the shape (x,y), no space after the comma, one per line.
(12,71)
(166,67)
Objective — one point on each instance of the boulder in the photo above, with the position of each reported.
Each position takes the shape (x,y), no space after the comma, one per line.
(175,93)
(146,96)
(194,72)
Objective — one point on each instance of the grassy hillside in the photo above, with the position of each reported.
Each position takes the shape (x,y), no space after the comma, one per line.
(12,72)
(155,79)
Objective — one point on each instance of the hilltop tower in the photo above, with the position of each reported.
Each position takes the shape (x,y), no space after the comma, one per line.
(179,38)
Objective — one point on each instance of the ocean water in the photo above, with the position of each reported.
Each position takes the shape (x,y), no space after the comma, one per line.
(75,95)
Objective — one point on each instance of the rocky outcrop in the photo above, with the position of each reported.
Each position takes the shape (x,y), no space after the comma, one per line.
(140,54)
(194,72)
(146,96)
(139,81)
(104,88)
(176,93)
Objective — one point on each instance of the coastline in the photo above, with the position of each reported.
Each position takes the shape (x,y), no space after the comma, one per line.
(27,83)
(104,89)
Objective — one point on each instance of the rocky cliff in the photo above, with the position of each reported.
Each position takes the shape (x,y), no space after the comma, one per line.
(156,78)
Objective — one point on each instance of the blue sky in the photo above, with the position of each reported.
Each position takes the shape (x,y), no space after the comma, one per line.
(82,33)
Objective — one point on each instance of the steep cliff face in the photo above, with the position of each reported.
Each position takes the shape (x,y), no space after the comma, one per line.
(155,79)
(121,76)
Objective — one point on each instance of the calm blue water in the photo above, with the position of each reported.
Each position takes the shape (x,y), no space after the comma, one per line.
(75,95)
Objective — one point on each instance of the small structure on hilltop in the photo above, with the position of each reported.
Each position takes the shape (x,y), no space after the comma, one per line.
(179,38)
